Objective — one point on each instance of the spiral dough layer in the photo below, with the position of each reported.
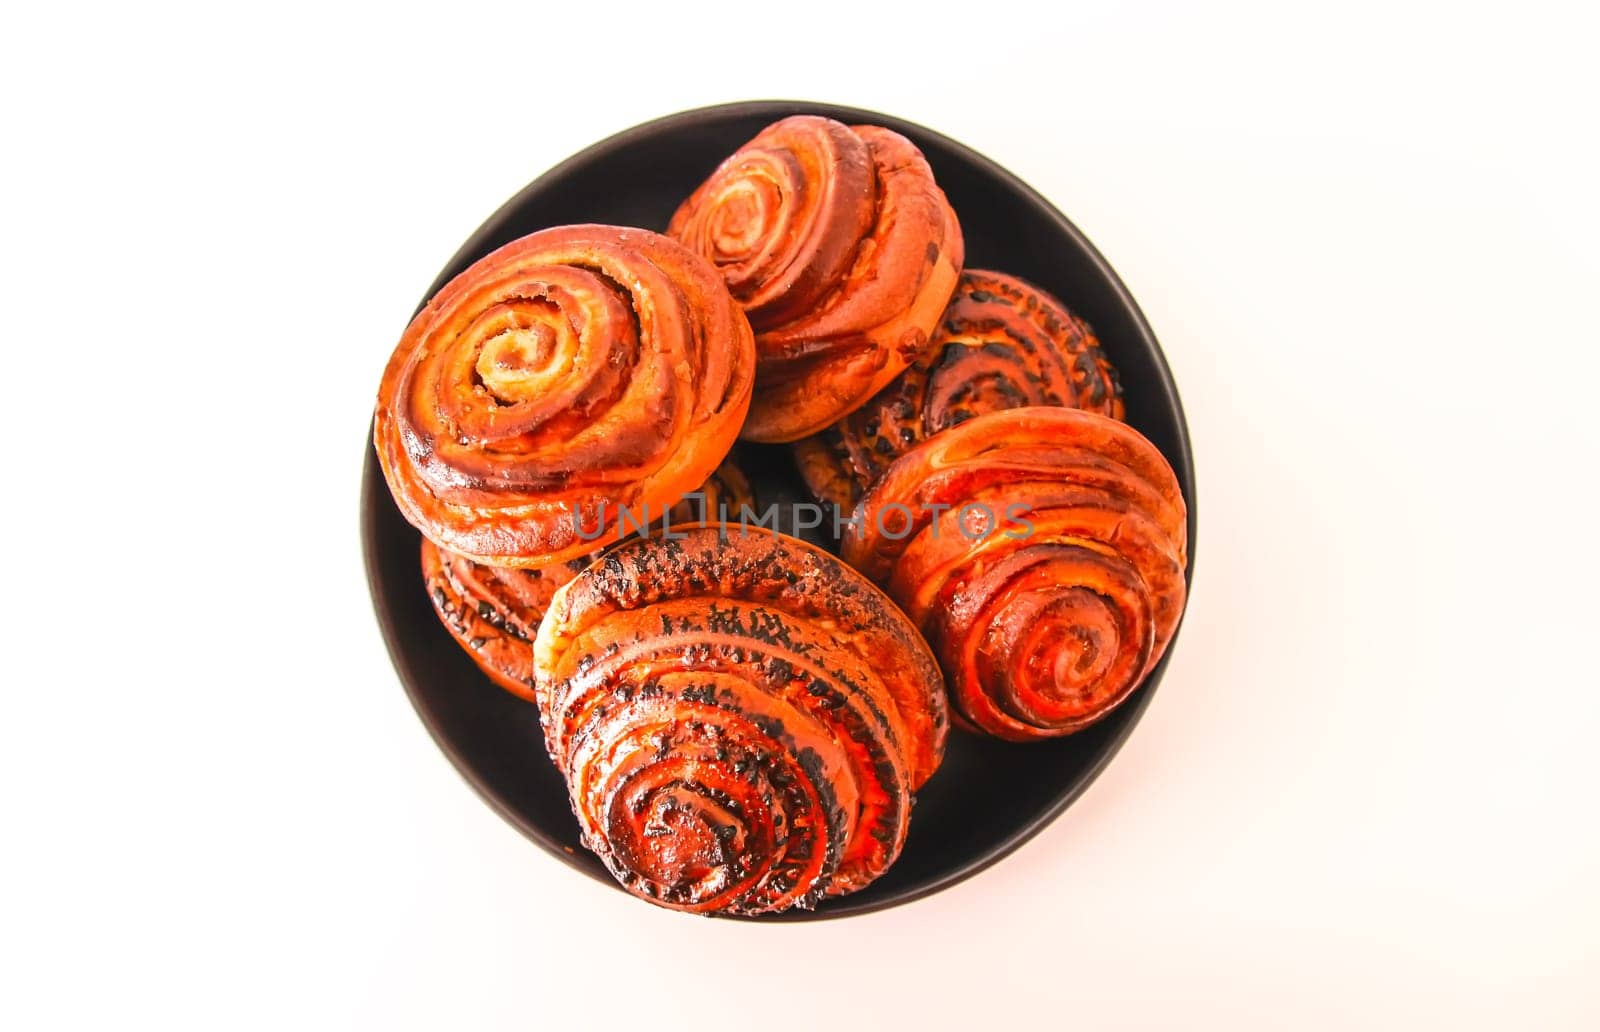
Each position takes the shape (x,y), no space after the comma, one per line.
(494,612)
(565,375)
(1042,551)
(741,719)
(843,252)
(1003,344)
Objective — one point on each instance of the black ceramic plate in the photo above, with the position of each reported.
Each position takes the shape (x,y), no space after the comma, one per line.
(990,796)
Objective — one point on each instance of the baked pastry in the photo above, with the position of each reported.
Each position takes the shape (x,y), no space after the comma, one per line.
(843,252)
(1003,343)
(494,611)
(1042,551)
(567,375)
(740,717)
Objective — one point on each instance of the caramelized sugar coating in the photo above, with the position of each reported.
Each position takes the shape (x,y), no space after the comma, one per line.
(567,374)
(740,717)
(1003,343)
(1042,551)
(843,252)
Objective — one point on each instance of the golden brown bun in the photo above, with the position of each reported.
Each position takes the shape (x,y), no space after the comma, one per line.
(842,250)
(568,374)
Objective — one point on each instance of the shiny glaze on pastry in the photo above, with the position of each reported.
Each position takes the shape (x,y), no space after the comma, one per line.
(567,374)
(1042,551)
(740,717)
(843,252)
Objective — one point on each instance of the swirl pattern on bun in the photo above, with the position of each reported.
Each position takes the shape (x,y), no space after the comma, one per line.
(567,375)
(741,718)
(842,250)
(1042,551)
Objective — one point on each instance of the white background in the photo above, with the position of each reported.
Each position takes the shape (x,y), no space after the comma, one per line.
(1366,792)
